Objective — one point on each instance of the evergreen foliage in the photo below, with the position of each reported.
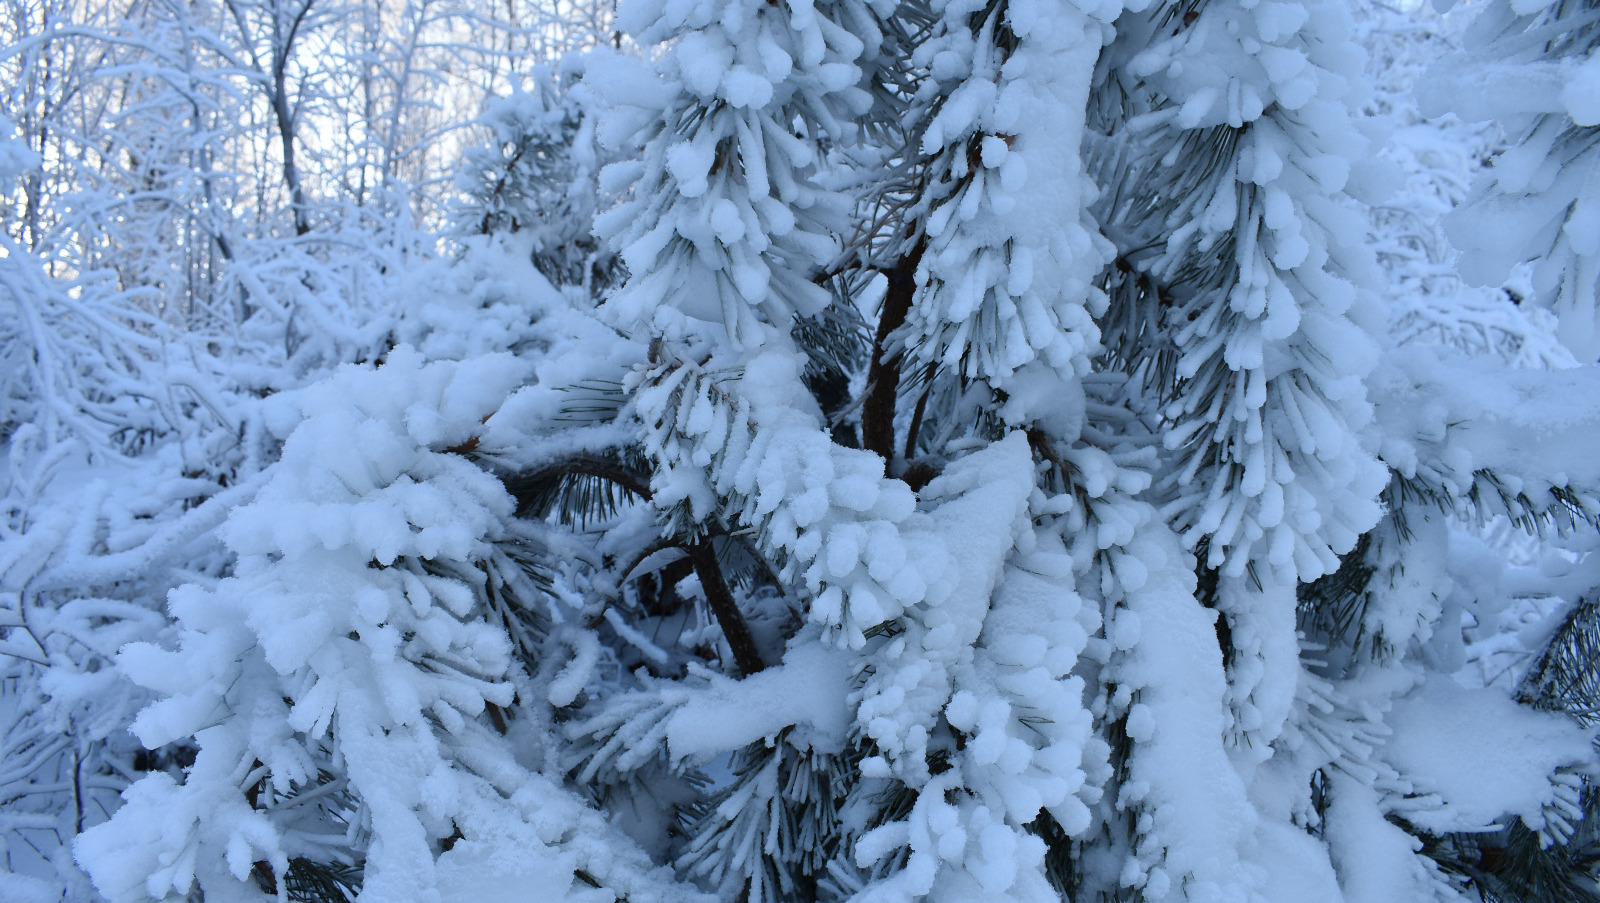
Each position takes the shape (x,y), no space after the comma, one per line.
(854,450)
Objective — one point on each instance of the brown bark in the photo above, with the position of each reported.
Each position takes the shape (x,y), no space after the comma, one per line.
(883,374)
(745,654)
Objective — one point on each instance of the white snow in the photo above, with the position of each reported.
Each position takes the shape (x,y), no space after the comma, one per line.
(808,689)
(1450,740)
(258,455)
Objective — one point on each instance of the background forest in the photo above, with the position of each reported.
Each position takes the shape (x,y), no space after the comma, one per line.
(799,451)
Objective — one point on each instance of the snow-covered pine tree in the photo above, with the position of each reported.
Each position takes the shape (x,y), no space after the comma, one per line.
(993,479)
(1537,204)
(537,177)
(1530,220)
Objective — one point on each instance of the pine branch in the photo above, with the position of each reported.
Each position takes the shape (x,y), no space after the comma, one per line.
(1513,866)
(554,485)
(538,491)
(745,654)
(1336,604)
(836,345)
(322,882)
(1565,678)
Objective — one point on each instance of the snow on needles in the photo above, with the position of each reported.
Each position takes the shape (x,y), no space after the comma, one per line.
(347,619)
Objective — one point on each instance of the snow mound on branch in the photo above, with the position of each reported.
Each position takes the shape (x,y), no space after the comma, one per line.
(809,689)
(491,299)
(1479,756)
(1450,417)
